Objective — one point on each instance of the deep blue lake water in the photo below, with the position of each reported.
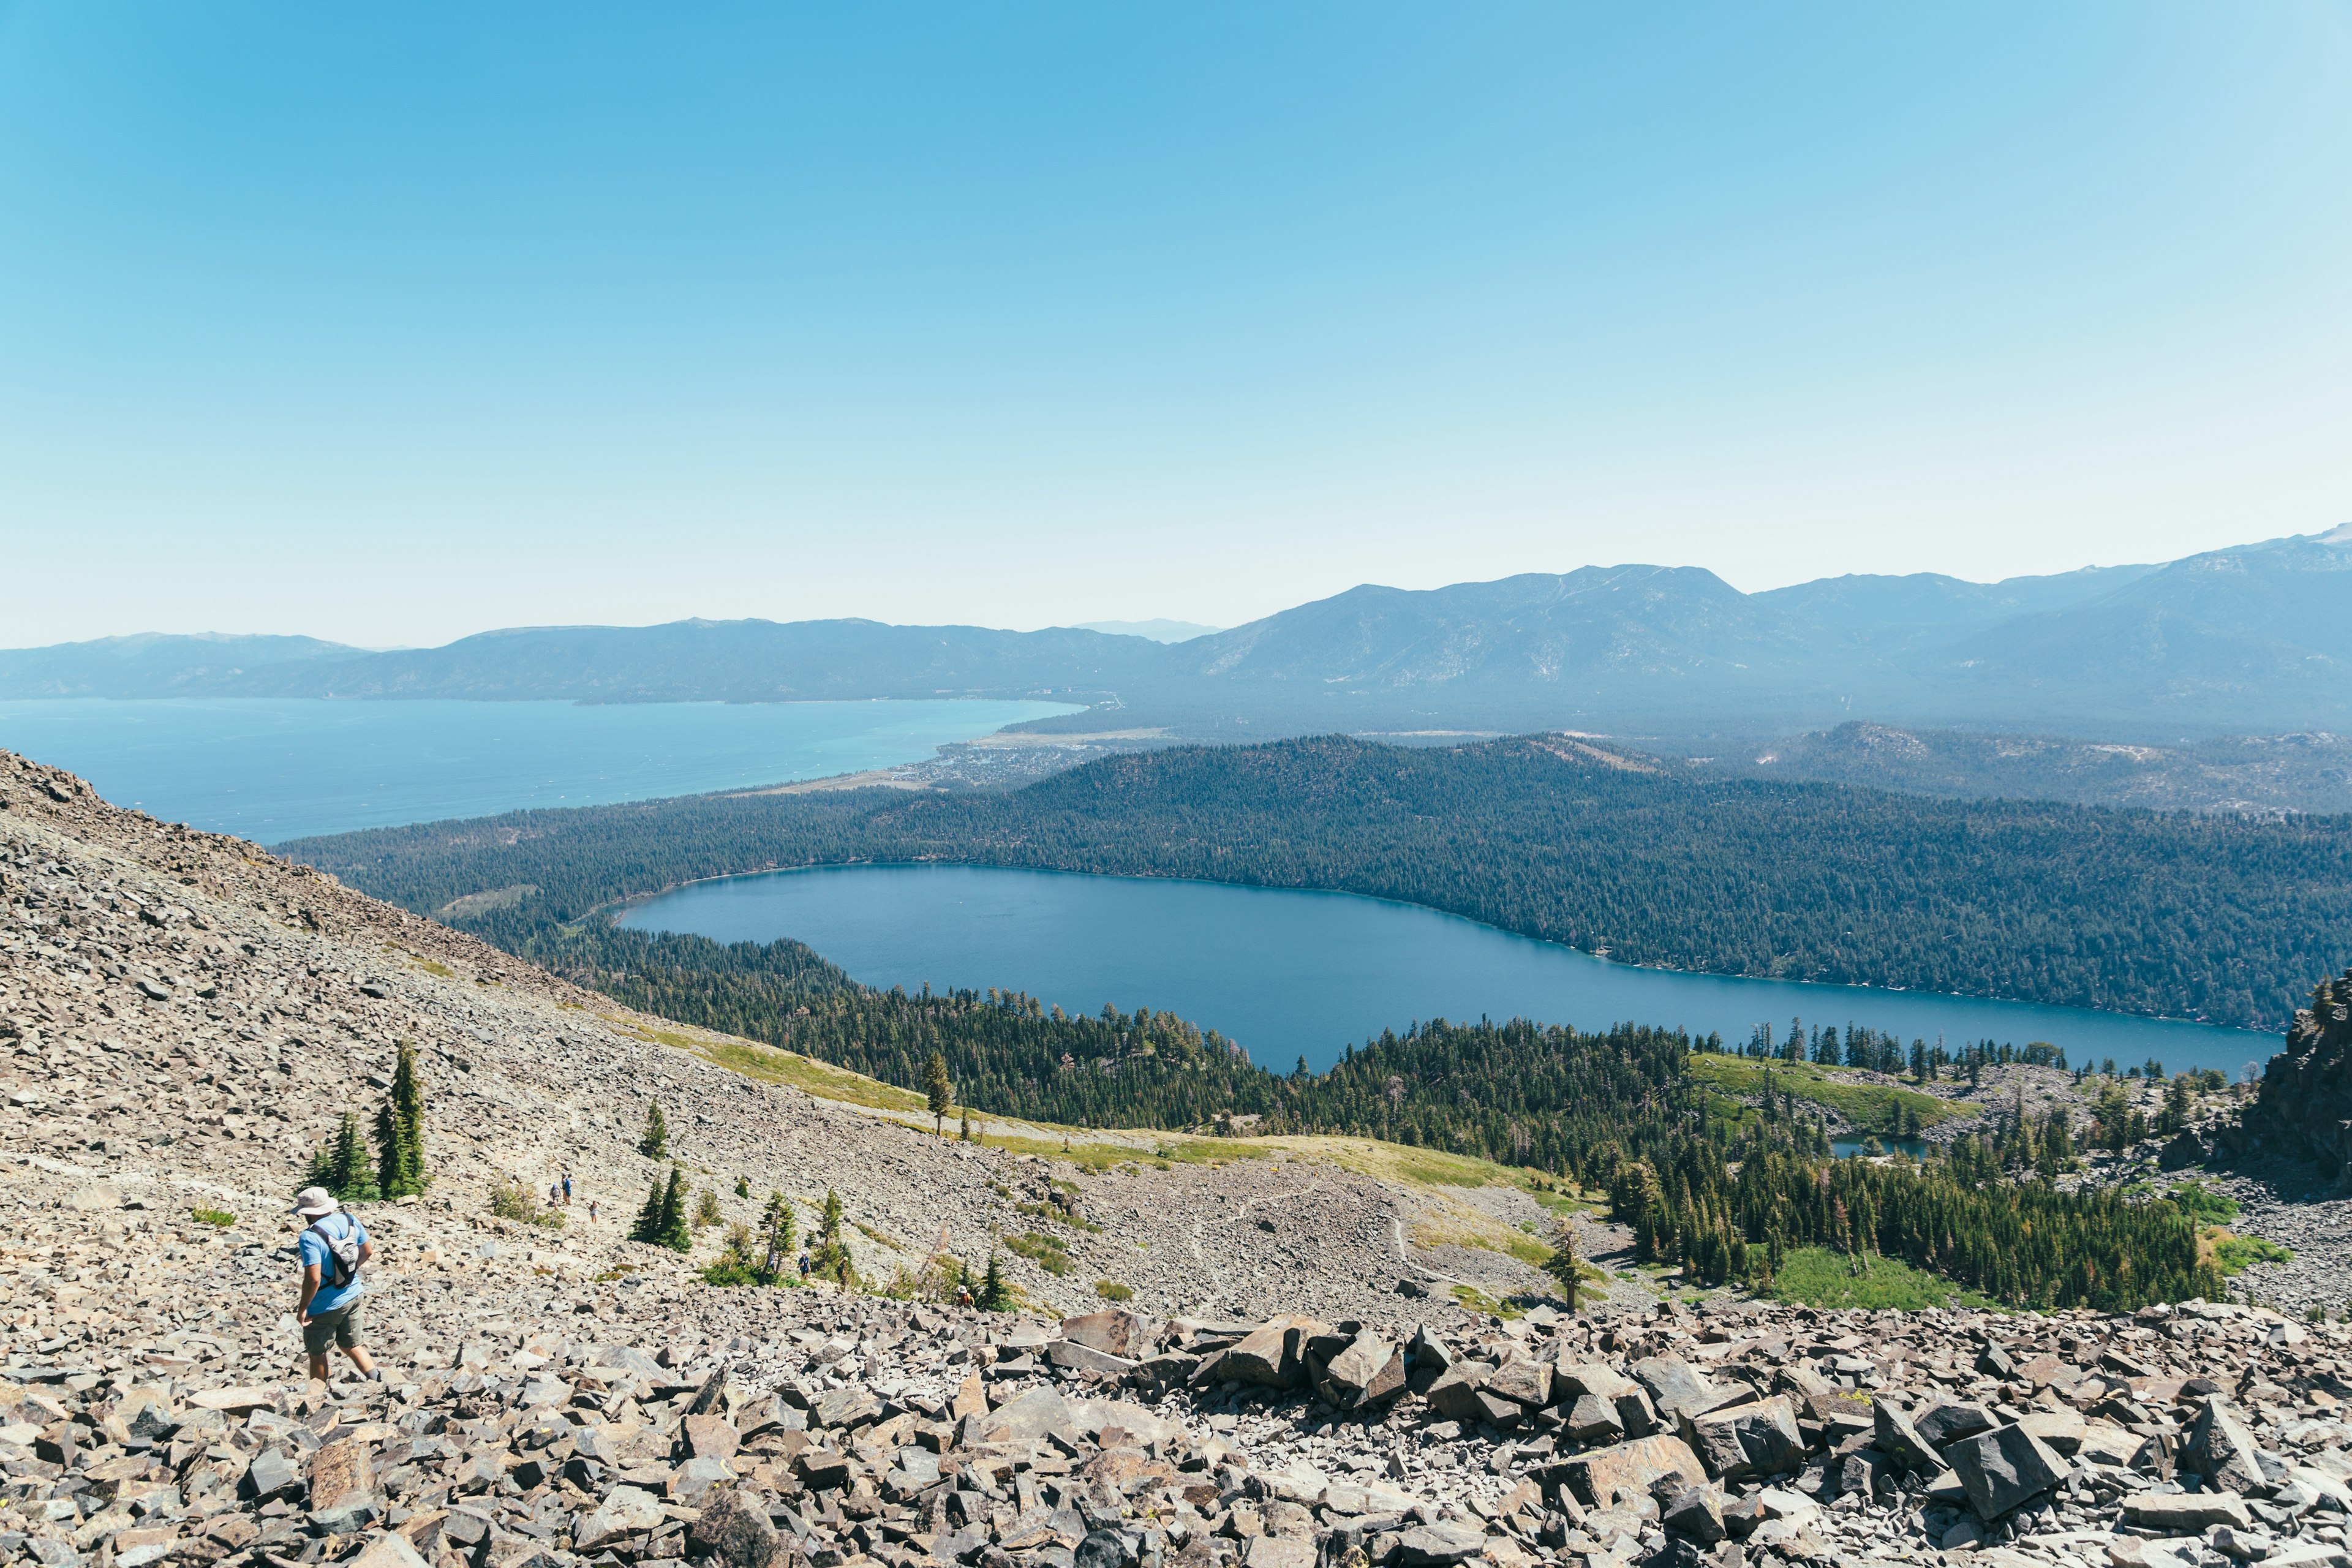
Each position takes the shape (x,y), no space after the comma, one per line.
(1299,973)
(273,769)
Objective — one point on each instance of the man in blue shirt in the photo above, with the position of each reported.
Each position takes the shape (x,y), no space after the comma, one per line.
(329,1310)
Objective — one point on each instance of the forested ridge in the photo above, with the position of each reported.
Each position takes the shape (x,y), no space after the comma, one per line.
(2214,917)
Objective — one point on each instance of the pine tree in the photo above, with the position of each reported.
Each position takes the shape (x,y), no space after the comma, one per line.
(400,1130)
(742,1186)
(1564,1267)
(942,1092)
(776,1234)
(674,1232)
(340,1165)
(995,1295)
(965,1134)
(830,1257)
(656,1141)
(649,1227)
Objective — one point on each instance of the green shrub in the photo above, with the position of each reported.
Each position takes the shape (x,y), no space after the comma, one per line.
(2209,1206)
(1045,1251)
(511,1200)
(220,1218)
(1112,1290)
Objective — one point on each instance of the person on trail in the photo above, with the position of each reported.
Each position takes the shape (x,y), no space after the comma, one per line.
(567,1189)
(333,1246)
(592,1211)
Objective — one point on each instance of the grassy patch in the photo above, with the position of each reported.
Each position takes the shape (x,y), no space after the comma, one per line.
(1863,1104)
(807,1074)
(1476,1301)
(221,1218)
(2209,1206)
(2236,1254)
(1816,1277)
(880,1239)
(1045,1251)
(1112,1290)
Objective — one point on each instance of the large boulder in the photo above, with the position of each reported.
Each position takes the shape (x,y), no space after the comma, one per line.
(1440,1544)
(732,1534)
(1741,1441)
(2221,1451)
(1366,1375)
(2004,1468)
(1901,1442)
(1523,1382)
(1118,1333)
(1593,1420)
(2187,1513)
(1595,1478)
(1460,1395)
(1676,1387)
(1950,1423)
(1268,1356)
(1032,1415)
(1073,1355)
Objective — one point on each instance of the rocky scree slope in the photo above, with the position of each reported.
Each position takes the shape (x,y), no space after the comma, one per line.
(187,1017)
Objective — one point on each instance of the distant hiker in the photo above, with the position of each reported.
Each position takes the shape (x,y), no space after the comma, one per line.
(592,1211)
(333,1248)
(567,1189)
(554,1194)
(805,1265)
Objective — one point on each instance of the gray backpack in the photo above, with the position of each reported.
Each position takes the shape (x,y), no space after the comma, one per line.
(343,1251)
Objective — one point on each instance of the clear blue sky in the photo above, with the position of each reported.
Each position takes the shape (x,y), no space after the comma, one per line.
(388,324)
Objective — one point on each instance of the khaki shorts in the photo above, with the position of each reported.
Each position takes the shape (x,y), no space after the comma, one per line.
(341,1327)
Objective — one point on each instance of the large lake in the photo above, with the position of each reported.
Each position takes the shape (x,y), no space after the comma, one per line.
(273,769)
(1299,973)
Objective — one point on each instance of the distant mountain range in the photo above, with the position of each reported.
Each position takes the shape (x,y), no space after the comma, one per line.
(2250,640)
(1160,630)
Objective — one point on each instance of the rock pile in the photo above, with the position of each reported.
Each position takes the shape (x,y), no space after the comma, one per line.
(899,1435)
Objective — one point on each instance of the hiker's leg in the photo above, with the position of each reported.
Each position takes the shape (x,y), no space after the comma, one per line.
(317,1336)
(347,1336)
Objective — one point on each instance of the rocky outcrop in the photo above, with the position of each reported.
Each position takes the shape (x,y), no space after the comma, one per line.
(2303,1106)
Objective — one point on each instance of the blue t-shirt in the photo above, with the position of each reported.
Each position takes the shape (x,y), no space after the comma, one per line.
(315,1254)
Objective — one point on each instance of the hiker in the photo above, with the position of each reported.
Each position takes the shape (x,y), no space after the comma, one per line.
(567,1189)
(334,1246)
(592,1211)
